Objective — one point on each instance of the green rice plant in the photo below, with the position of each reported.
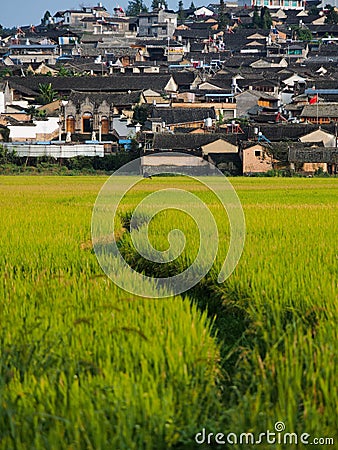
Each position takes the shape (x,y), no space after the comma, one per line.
(85,365)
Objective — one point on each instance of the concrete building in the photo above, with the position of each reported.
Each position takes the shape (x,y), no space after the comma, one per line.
(34,53)
(74,17)
(274,4)
(158,23)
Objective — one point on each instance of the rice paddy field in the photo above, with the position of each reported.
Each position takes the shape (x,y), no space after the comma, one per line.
(85,365)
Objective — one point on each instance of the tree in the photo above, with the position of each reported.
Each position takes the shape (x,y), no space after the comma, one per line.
(222,18)
(135,7)
(266,20)
(304,34)
(155,4)
(6,72)
(256,20)
(46,93)
(32,111)
(313,11)
(46,17)
(64,72)
(141,113)
(192,6)
(262,20)
(181,14)
(36,113)
(331,15)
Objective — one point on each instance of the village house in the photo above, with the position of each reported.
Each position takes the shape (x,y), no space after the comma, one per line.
(170,118)
(217,148)
(320,113)
(194,79)
(74,17)
(158,23)
(29,52)
(256,158)
(308,158)
(88,112)
(274,4)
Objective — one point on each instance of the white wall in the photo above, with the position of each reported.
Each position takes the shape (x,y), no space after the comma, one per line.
(56,151)
(2,102)
(19,132)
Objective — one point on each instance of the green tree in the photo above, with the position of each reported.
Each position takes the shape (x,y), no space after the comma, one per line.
(6,72)
(222,17)
(155,4)
(313,11)
(64,72)
(192,6)
(141,113)
(46,17)
(135,7)
(46,93)
(32,111)
(256,20)
(331,15)
(266,20)
(181,14)
(304,34)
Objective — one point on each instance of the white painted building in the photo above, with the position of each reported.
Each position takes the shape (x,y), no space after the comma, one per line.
(39,130)
(274,4)
(55,150)
(2,102)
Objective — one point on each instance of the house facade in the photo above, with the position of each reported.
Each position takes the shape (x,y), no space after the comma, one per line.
(34,53)
(74,17)
(158,23)
(256,159)
(275,4)
(88,112)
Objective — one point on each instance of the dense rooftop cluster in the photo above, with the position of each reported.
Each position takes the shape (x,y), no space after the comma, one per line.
(232,76)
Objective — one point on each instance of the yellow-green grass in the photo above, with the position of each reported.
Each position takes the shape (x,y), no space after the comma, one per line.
(85,365)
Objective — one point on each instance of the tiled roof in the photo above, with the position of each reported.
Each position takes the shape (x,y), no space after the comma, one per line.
(116,98)
(320,110)
(197,34)
(183,77)
(183,115)
(284,132)
(186,141)
(119,82)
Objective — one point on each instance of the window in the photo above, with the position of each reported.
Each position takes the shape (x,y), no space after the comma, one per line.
(258,153)
(70,124)
(87,122)
(104,125)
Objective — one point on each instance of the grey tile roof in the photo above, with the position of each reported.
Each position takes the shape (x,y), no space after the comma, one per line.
(185,141)
(118,82)
(116,98)
(287,131)
(173,116)
(183,77)
(320,109)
